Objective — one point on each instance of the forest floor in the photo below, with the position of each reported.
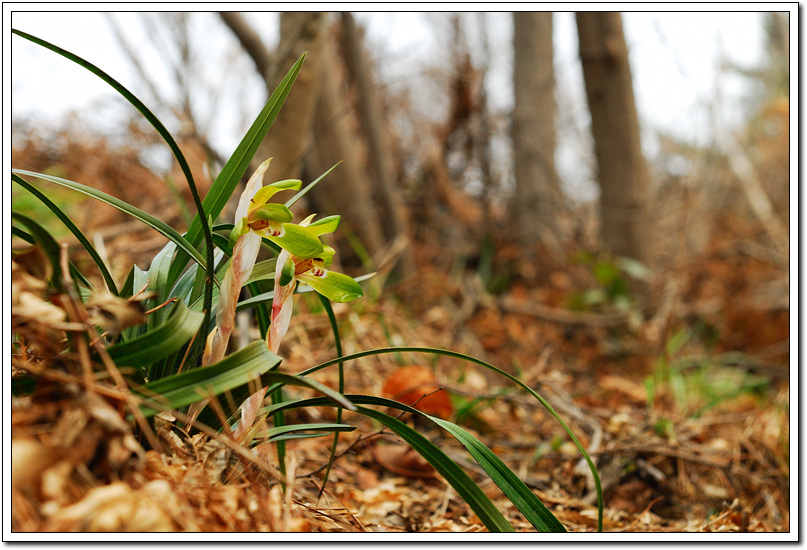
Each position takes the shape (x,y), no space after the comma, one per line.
(684,410)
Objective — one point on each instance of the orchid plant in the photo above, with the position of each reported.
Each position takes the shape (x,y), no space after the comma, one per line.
(302,257)
(163,365)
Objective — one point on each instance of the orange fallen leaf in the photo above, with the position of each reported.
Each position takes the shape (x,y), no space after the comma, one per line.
(416,386)
(403,460)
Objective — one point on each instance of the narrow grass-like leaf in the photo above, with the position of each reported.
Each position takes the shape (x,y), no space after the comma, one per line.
(127,288)
(235,167)
(164,133)
(65,219)
(341,387)
(281,439)
(24,235)
(49,245)
(238,370)
(179,390)
(157,275)
(467,489)
(159,342)
(277,380)
(43,234)
(133,211)
(278,432)
(519,494)
(448,353)
(300,194)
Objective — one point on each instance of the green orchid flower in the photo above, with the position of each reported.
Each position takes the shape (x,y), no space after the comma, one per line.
(311,270)
(272,221)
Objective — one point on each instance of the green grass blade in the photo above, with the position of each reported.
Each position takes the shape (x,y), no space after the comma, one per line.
(277,433)
(39,235)
(178,390)
(227,180)
(133,211)
(338,341)
(519,494)
(300,194)
(448,353)
(159,342)
(234,372)
(164,133)
(467,489)
(49,246)
(65,219)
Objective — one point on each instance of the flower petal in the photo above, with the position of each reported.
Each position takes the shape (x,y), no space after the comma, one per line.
(272,211)
(334,286)
(253,186)
(325,225)
(298,241)
(265,193)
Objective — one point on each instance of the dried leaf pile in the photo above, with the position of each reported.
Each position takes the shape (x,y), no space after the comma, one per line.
(78,466)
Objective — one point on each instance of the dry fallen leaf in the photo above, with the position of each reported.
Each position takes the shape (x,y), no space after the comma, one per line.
(29,458)
(403,460)
(416,386)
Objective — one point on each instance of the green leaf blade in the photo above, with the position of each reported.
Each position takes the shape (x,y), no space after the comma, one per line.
(82,239)
(156,224)
(227,180)
(159,342)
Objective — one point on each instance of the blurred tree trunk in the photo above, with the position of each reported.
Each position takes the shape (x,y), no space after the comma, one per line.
(347,190)
(314,112)
(539,198)
(623,174)
(396,216)
(291,130)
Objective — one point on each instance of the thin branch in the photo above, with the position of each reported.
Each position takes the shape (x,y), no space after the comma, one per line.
(250,41)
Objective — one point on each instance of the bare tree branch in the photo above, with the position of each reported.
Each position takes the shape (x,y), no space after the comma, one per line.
(250,41)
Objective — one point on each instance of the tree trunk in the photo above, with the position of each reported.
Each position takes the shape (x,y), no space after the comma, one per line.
(291,130)
(623,174)
(347,189)
(539,198)
(396,216)
(313,130)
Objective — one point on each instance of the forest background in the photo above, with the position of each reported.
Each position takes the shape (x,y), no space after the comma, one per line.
(506,243)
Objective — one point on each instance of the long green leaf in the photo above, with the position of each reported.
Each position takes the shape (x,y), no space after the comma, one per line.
(278,432)
(449,353)
(227,180)
(519,494)
(252,362)
(467,489)
(164,133)
(300,194)
(341,387)
(39,235)
(110,282)
(179,390)
(159,342)
(133,211)
(47,242)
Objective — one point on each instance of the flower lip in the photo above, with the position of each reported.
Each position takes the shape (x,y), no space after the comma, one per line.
(312,266)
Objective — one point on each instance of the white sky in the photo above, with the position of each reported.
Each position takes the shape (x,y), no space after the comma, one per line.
(675,61)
